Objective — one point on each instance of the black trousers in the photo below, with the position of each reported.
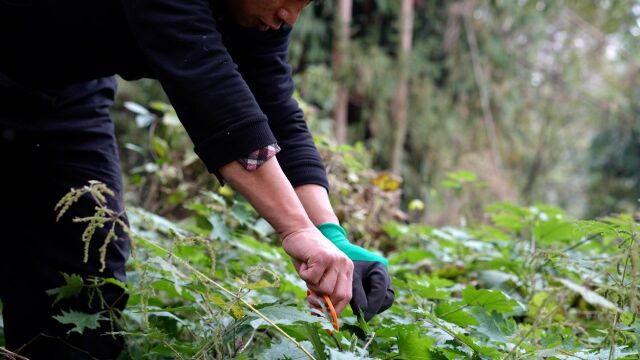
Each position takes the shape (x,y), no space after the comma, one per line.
(51,140)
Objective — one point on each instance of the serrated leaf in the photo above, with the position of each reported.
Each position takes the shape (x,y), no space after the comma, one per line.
(490,300)
(455,313)
(220,230)
(414,346)
(426,290)
(80,320)
(284,315)
(73,286)
(494,326)
(285,349)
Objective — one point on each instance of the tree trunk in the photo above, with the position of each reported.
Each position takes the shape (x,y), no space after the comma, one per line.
(340,56)
(400,108)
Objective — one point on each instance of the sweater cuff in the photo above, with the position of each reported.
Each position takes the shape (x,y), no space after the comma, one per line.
(305,175)
(219,150)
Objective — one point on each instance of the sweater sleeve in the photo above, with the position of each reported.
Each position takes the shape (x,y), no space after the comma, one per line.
(181,43)
(262,61)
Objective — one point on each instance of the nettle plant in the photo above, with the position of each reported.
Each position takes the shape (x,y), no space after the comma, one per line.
(533,284)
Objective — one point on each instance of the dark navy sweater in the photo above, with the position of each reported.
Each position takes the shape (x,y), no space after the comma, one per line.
(231,86)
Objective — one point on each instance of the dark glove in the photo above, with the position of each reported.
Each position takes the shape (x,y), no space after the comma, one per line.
(372,292)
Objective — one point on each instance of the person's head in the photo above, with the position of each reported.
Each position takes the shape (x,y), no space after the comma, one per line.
(266,14)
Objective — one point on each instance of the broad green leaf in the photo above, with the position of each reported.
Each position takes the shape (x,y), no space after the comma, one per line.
(410,256)
(554,230)
(508,221)
(455,313)
(220,229)
(414,346)
(284,315)
(80,320)
(494,326)
(285,349)
(425,290)
(242,212)
(73,286)
(619,352)
(490,300)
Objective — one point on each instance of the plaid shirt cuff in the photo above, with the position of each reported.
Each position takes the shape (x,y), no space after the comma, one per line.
(253,160)
(258,157)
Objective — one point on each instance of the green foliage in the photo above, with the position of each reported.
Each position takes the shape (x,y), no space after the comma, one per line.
(72,287)
(548,286)
(80,320)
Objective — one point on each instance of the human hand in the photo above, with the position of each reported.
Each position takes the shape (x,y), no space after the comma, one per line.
(372,291)
(325,269)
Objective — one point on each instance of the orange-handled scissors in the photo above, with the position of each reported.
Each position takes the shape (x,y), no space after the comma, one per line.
(332,311)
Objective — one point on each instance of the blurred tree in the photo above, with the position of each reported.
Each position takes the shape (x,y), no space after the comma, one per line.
(546,89)
(340,67)
(400,107)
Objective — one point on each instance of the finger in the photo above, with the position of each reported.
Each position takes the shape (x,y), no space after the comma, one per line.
(327,282)
(342,292)
(297,264)
(312,272)
(314,301)
(378,282)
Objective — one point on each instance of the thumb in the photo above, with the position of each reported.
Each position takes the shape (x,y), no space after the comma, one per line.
(297,264)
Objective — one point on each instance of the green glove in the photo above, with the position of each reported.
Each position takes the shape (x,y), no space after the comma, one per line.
(372,292)
(336,234)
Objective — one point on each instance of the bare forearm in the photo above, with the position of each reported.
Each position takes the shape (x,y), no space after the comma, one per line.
(270,193)
(316,203)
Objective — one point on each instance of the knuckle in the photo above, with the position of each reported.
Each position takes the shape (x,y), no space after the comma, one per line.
(325,288)
(350,265)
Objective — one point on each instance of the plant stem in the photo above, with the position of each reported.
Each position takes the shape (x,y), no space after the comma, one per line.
(470,344)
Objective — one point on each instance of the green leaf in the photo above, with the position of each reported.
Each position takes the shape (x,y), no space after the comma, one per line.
(490,300)
(80,320)
(242,212)
(318,346)
(413,346)
(116,282)
(554,230)
(410,256)
(344,355)
(73,286)
(220,229)
(284,315)
(455,313)
(508,221)
(423,289)
(285,349)
(494,326)
(160,147)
